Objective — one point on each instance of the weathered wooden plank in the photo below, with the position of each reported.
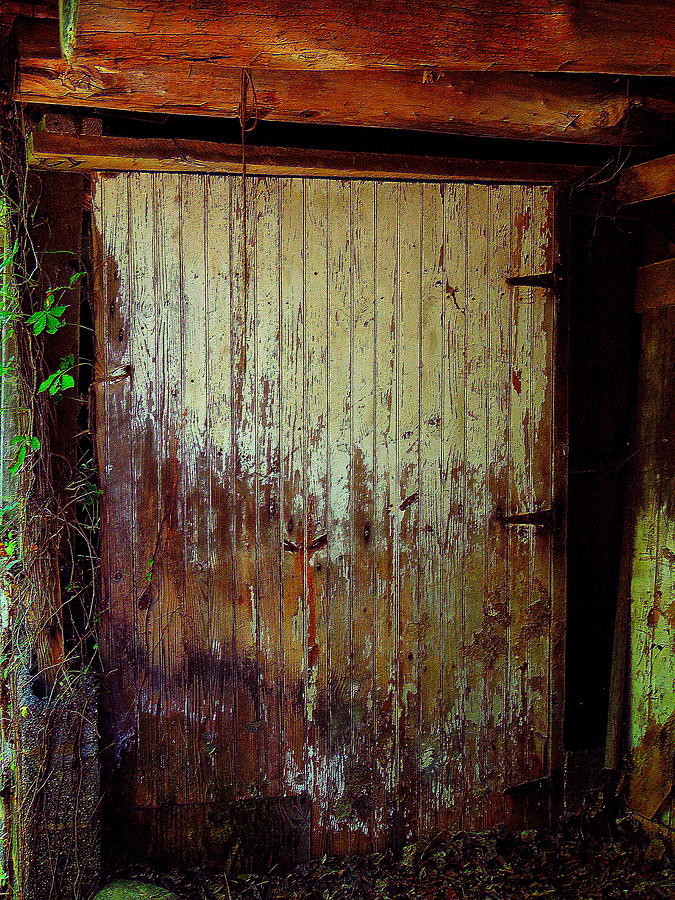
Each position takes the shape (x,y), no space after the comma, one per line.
(155,239)
(540,424)
(530,36)
(563,107)
(647,181)
(315,546)
(432,399)
(118,629)
(496,596)
(85,153)
(340,561)
(481,654)
(520,496)
(219,657)
(655,285)
(362,511)
(652,724)
(385,626)
(267,473)
(144,393)
(194,456)
(454,774)
(293,460)
(409,323)
(243,530)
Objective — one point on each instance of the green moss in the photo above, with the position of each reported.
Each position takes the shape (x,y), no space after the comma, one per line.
(134,890)
(68,12)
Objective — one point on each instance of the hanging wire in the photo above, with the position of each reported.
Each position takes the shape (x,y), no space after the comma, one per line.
(246,123)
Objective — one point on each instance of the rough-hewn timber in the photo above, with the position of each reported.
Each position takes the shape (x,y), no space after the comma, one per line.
(649,180)
(568,108)
(635,36)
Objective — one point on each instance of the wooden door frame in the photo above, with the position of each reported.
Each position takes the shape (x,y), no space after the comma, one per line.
(560,484)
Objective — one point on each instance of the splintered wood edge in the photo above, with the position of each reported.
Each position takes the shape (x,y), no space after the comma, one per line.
(86,153)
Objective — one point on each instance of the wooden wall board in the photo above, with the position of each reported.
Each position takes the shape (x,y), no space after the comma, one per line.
(651,631)
(311,584)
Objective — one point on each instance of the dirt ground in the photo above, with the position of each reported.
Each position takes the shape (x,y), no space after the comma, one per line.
(584,858)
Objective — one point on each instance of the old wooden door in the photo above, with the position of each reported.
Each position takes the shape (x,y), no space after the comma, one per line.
(313,430)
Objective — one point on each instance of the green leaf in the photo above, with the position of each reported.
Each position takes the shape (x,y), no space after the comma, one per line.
(47,383)
(34,443)
(18,462)
(67,381)
(53,324)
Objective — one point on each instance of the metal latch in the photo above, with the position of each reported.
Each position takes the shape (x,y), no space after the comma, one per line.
(551,280)
(540,518)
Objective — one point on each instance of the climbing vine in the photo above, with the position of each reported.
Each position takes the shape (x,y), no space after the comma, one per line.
(48,523)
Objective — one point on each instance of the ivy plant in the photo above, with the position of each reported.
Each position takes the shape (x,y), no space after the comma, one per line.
(25,444)
(60,380)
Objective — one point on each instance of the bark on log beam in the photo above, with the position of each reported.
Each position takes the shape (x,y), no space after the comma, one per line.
(631,37)
(570,108)
(91,154)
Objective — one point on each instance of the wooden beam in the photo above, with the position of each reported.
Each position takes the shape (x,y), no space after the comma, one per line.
(91,154)
(570,108)
(635,36)
(655,285)
(647,181)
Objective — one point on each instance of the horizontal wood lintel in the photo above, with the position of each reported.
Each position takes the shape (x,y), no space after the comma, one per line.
(120,154)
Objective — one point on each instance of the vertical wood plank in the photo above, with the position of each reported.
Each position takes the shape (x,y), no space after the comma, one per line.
(144,394)
(362,511)
(220,739)
(293,523)
(244,447)
(119,632)
(408,427)
(161,565)
(480,655)
(521,494)
(496,599)
(431,526)
(315,552)
(194,451)
(384,501)
(652,668)
(340,561)
(454,779)
(541,449)
(267,469)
